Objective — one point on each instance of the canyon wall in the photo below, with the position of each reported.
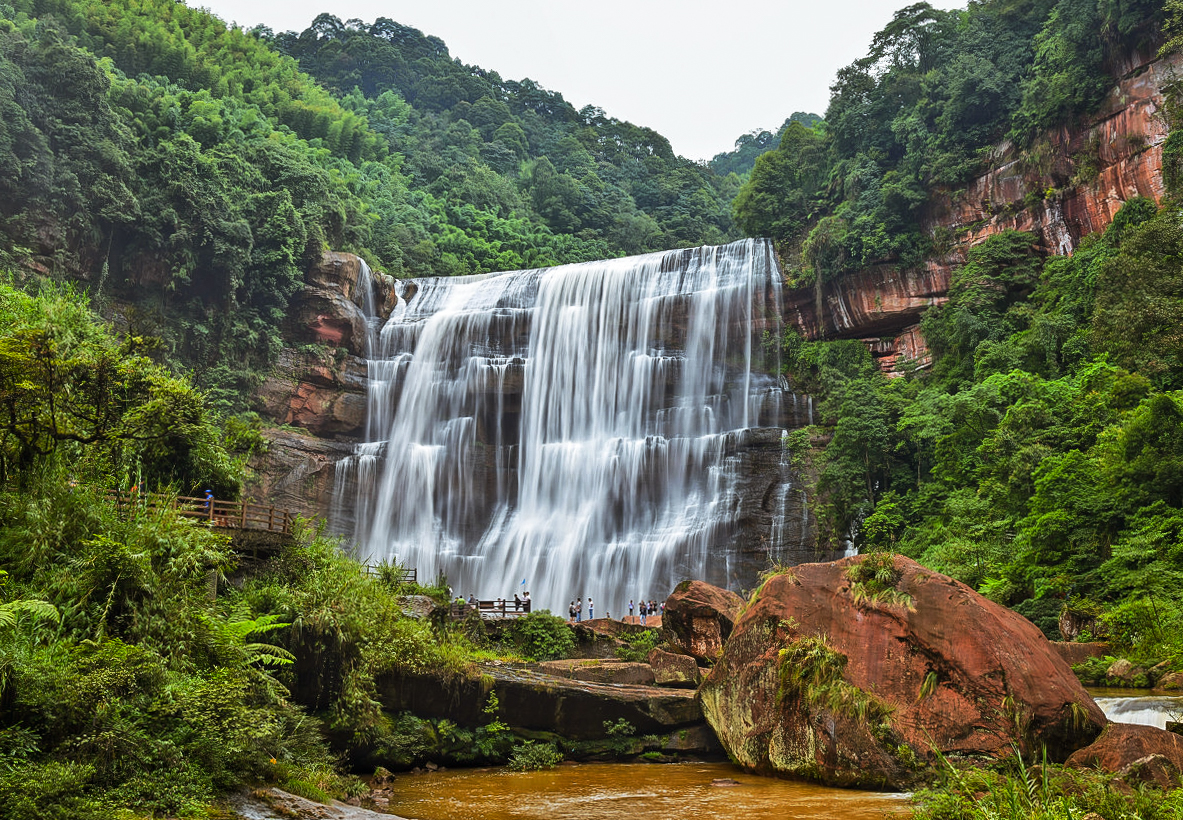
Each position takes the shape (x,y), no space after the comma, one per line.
(315,399)
(1069,185)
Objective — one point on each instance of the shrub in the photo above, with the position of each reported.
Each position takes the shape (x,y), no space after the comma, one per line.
(638,646)
(541,636)
(530,756)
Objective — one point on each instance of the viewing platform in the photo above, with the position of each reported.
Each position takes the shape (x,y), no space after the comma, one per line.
(489,610)
(250,525)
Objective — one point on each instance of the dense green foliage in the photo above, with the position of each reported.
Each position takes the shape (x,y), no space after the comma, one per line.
(1018,790)
(740,160)
(1041,458)
(919,115)
(195,171)
(141,667)
(69,390)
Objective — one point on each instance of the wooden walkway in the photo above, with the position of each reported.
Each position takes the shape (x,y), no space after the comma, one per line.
(488,610)
(224,515)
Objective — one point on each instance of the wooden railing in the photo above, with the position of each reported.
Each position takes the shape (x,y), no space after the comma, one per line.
(490,609)
(230,515)
(405,576)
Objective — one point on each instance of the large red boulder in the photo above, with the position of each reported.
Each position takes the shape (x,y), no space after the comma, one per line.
(699,618)
(854,672)
(1123,744)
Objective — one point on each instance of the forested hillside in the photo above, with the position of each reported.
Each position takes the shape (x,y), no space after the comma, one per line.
(502,146)
(1040,457)
(918,115)
(748,147)
(194,172)
(179,178)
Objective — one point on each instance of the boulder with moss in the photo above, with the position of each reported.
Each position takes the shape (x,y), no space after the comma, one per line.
(854,672)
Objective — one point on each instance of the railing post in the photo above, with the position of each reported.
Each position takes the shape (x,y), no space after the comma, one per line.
(242,516)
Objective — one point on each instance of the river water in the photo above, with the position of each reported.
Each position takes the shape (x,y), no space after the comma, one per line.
(1138,706)
(621,791)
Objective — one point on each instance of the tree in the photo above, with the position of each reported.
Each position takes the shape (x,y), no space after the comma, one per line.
(67,385)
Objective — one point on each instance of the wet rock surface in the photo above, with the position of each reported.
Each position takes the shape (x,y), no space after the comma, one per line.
(699,619)
(276,804)
(885,678)
(297,471)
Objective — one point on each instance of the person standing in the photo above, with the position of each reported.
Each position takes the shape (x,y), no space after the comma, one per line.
(630,610)
(526,601)
(644,611)
(571,612)
(579,611)
(591,610)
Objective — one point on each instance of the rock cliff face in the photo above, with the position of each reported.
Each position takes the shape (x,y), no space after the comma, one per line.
(1071,187)
(317,393)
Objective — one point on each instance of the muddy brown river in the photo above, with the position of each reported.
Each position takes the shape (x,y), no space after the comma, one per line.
(617,791)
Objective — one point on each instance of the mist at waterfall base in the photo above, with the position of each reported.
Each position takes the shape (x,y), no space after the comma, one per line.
(575,431)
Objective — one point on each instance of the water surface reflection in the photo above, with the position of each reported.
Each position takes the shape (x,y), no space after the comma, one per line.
(617,791)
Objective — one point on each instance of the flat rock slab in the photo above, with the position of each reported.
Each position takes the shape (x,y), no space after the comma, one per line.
(601,671)
(532,700)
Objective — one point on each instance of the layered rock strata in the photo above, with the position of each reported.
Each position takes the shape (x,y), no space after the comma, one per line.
(533,701)
(1071,187)
(316,394)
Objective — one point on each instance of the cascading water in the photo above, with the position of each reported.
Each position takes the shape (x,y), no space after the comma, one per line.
(578,428)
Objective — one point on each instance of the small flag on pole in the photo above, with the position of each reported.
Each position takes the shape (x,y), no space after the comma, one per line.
(523,583)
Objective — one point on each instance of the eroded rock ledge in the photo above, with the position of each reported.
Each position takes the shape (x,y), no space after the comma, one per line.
(534,702)
(1077,186)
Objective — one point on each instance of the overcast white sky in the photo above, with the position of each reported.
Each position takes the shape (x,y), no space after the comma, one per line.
(700,72)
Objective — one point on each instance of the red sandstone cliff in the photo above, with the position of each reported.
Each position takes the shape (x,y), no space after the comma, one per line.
(1067,190)
(316,395)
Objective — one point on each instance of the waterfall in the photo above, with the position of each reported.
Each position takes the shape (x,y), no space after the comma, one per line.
(580,428)
(1145,710)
